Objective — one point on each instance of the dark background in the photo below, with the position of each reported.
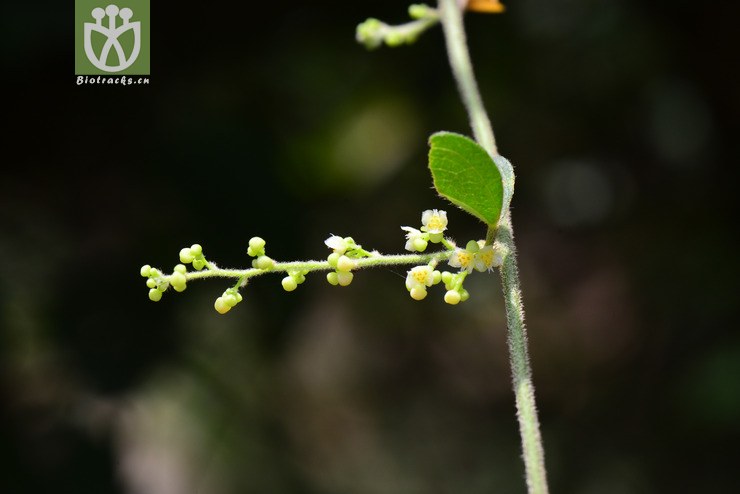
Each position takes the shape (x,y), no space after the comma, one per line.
(268,119)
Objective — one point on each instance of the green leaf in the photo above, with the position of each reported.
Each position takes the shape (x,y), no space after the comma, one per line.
(466,175)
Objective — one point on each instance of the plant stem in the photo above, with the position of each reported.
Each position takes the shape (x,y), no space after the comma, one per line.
(371,261)
(457,52)
(529,429)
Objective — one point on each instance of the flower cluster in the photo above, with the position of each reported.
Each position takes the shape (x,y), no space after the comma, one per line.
(343,259)
(475,256)
(263,262)
(434,223)
(257,250)
(295,277)
(193,254)
(158,282)
(373,32)
(227,300)
(155,281)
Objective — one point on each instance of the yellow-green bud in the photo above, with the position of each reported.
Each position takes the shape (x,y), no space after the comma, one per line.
(452,297)
(155,295)
(289,284)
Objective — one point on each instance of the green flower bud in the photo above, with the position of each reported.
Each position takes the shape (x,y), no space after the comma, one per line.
(446,277)
(180,268)
(452,297)
(256,247)
(436,237)
(196,250)
(464,295)
(199,264)
(265,263)
(420,244)
(436,277)
(418,293)
(151,283)
(178,280)
(145,269)
(420,11)
(289,284)
(155,295)
(344,278)
(369,33)
(221,306)
(332,259)
(257,243)
(186,255)
(333,278)
(345,264)
(230,299)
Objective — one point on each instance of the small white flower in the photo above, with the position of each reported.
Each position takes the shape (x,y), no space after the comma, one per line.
(420,277)
(434,221)
(487,258)
(463,258)
(415,239)
(337,243)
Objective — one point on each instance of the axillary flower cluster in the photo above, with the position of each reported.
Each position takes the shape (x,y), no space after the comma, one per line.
(476,255)
(345,258)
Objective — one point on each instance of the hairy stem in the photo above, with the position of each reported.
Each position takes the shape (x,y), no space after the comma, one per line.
(457,52)
(308,266)
(529,429)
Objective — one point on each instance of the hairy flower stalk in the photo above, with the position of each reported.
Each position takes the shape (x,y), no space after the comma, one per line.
(345,258)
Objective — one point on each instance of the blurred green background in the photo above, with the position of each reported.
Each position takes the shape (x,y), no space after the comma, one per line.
(268,119)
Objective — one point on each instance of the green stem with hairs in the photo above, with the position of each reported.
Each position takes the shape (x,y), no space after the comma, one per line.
(529,428)
(372,260)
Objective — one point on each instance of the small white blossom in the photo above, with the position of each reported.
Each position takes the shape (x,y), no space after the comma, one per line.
(337,243)
(420,277)
(463,258)
(434,221)
(415,239)
(487,258)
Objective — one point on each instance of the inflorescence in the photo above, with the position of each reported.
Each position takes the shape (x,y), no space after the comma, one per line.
(346,257)
(373,32)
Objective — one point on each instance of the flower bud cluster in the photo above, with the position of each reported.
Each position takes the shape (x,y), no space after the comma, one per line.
(294,278)
(156,281)
(193,254)
(257,250)
(343,259)
(475,256)
(372,33)
(454,285)
(227,300)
